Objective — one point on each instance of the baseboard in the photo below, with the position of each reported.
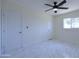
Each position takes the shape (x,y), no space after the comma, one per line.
(5,55)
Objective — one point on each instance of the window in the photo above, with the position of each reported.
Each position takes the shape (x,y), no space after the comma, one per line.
(71,23)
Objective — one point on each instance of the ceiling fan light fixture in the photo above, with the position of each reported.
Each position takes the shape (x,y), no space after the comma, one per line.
(55,9)
(56,6)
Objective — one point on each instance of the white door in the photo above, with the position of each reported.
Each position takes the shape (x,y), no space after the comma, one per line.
(0,27)
(12,28)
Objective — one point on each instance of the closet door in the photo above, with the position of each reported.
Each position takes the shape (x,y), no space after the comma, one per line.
(0,27)
(12,27)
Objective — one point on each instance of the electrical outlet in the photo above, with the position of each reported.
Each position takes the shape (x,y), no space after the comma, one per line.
(50,39)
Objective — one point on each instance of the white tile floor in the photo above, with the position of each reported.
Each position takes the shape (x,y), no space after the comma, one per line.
(47,49)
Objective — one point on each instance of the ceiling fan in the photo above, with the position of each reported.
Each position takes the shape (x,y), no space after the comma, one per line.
(56,6)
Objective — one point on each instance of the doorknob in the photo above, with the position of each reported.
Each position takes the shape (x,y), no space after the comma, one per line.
(20,32)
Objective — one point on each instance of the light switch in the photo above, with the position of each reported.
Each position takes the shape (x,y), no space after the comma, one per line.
(27,27)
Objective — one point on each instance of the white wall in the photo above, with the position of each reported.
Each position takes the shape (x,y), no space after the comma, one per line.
(66,35)
(40,26)
(17,18)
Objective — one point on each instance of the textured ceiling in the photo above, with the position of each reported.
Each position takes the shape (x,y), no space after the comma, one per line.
(38,5)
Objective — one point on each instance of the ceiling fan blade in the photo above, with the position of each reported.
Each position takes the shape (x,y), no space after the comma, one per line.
(62,7)
(48,5)
(64,1)
(48,9)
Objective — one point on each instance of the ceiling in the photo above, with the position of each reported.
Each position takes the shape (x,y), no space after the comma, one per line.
(38,5)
